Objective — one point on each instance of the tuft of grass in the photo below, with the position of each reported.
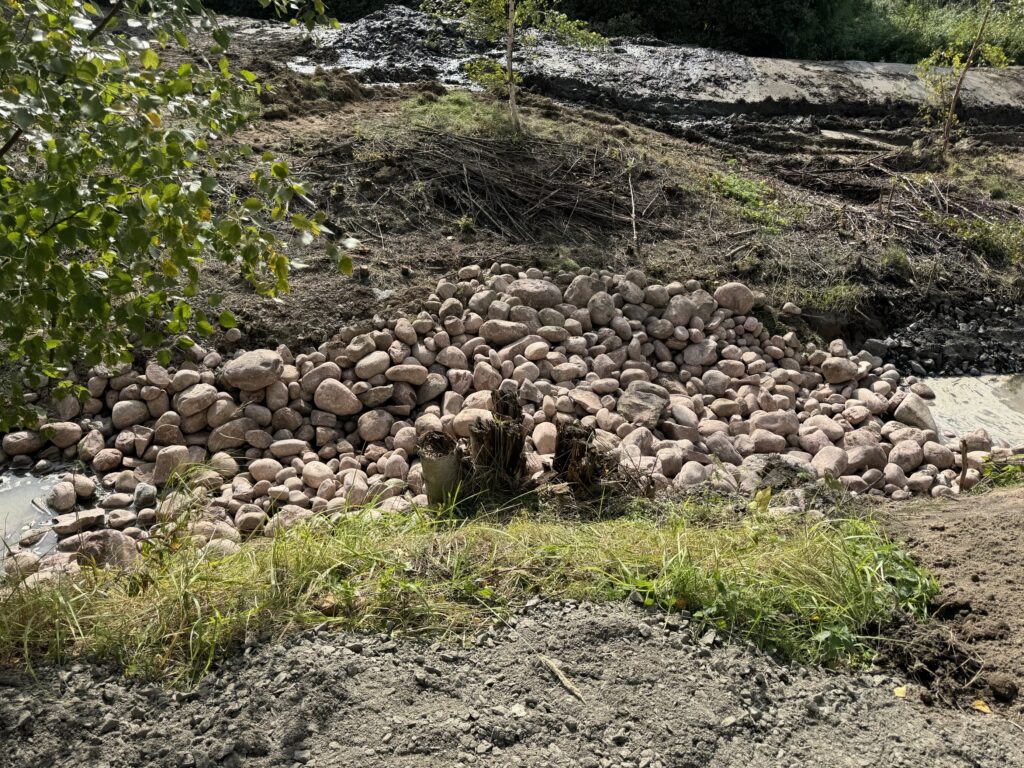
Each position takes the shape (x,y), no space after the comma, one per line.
(756,199)
(841,298)
(806,591)
(895,259)
(459,113)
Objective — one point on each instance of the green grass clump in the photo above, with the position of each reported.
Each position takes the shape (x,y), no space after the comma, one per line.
(459,113)
(842,297)
(756,200)
(997,241)
(896,259)
(997,185)
(807,591)
(1002,474)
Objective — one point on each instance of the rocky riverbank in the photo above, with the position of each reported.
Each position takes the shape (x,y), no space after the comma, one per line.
(682,386)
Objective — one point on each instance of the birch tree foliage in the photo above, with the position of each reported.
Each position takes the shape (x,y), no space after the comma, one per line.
(112,132)
(515,24)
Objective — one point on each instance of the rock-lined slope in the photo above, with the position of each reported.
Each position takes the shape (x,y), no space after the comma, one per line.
(684,386)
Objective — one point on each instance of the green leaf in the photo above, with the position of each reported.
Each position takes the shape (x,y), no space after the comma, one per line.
(181,86)
(114,202)
(345,265)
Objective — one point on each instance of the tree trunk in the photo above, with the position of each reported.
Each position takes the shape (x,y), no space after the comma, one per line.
(498,446)
(510,46)
(947,128)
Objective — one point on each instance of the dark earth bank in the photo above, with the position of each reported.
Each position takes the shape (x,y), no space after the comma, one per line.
(650,78)
(569,685)
(976,648)
(865,246)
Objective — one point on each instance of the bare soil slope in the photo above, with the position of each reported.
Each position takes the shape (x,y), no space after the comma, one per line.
(635,692)
(975,548)
(837,212)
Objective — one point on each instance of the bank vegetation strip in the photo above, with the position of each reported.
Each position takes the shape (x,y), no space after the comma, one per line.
(813,592)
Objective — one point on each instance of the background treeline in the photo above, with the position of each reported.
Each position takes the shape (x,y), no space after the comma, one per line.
(874,30)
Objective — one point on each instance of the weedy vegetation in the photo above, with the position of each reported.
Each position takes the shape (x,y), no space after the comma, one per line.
(1002,473)
(756,199)
(808,591)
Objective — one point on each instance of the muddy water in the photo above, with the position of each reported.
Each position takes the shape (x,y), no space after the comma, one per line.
(22,507)
(964,403)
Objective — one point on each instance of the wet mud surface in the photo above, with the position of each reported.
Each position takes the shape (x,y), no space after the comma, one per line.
(636,691)
(399,44)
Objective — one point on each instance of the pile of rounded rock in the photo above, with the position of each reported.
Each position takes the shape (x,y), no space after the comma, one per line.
(689,387)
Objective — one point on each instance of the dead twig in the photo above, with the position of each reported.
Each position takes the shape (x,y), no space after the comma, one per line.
(556,670)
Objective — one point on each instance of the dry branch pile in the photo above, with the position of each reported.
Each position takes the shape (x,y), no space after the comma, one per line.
(529,189)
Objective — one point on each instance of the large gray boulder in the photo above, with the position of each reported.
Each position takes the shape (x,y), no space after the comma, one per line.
(254,370)
(914,412)
(642,403)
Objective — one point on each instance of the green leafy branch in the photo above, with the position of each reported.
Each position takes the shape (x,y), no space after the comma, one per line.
(109,192)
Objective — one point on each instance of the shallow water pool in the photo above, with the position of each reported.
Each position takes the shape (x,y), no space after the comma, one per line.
(23,508)
(964,403)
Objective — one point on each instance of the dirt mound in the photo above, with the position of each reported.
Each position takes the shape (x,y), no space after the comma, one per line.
(402,45)
(977,647)
(932,656)
(568,686)
(288,93)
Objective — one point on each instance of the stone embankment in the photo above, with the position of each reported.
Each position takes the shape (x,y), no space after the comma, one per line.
(688,387)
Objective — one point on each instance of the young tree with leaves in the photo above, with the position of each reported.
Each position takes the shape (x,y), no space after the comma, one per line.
(109,194)
(945,71)
(515,24)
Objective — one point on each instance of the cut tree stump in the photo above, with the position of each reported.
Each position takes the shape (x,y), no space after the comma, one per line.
(498,447)
(442,466)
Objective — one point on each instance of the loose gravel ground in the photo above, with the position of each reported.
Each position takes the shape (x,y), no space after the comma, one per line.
(644,694)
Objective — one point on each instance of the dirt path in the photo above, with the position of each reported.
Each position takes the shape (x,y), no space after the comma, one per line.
(974,548)
(649,695)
